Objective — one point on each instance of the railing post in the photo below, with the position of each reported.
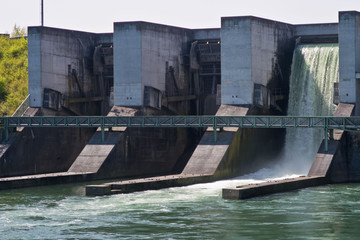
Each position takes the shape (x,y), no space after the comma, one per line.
(331,134)
(6,129)
(326,135)
(326,139)
(214,127)
(102,130)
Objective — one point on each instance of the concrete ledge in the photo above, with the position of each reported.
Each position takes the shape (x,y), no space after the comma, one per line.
(254,190)
(143,184)
(44,179)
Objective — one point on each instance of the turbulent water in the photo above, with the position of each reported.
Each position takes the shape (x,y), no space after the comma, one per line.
(315,69)
(198,211)
(194,212)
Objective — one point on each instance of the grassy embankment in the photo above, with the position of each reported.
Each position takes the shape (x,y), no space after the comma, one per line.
(13,73)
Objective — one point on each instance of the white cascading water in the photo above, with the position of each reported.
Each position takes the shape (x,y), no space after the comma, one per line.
(314,70)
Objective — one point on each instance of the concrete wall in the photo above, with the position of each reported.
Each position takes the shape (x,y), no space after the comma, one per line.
(34,67)
(141,52)
(127,65)
(236,84)
(51,51)
(143,152)
(206,34)
(249,51)
(43,150)
(316,29)
(269,40)
(349,58)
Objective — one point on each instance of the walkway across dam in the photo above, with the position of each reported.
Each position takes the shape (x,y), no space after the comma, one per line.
(327,123)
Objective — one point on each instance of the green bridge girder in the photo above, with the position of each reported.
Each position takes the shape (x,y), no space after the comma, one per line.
(323,122)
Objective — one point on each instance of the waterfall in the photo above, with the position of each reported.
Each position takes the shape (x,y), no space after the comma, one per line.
(314,70)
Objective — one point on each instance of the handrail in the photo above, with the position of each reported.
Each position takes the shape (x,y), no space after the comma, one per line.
(322,122)
(342,123)
(22,108)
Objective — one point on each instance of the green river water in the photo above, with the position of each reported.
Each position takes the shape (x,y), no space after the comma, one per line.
(193,212)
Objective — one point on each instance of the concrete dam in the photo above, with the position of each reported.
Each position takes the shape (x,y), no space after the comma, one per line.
(250,66)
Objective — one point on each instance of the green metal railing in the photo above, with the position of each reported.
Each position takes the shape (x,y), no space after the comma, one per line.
(22,108)
(325,123)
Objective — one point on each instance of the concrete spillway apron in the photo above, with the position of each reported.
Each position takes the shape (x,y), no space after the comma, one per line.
(100,146)
(200,168)
(319,174)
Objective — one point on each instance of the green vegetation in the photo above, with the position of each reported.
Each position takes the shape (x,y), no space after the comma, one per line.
(13,71)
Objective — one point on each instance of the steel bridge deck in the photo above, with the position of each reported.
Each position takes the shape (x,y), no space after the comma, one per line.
(324,122)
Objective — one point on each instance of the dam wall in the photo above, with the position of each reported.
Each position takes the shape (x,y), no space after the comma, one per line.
(349,44)
(233,153)
(165,70)
(41,150)
(252,49)
(130,152)
(146,51)
(316,29)
(206,34)
(62,61)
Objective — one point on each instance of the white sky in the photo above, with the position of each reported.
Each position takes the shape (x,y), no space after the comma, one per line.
(99,15)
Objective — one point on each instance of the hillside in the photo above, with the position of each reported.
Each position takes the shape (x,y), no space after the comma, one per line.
(13,73)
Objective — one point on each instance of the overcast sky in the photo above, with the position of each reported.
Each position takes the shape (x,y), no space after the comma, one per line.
(99,15)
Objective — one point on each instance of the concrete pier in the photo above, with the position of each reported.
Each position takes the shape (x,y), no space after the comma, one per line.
(261,189)
(143,184)
(44,179)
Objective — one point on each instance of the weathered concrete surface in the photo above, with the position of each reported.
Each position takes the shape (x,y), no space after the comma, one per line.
(96,152)
(252,50)
(261,189)
(202,165)
(51,51)
(209,154)
(143,184)
(327,167)
(141,52)
(44,179)
(30,112)
(349,58)
(41,150)
(210,160)
(323,160)
(130,152)
(316,29)
(335,155)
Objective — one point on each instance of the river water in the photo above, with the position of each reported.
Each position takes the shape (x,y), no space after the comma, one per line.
(193,212)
